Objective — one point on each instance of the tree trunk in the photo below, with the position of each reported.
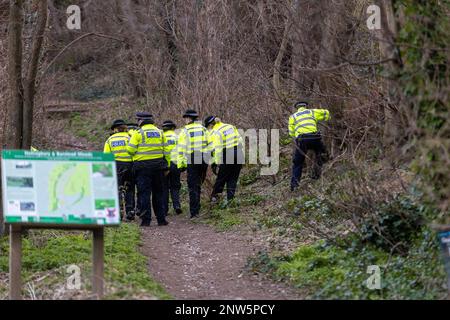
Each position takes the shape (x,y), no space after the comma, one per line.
(281,53)
(30,81)
(170,32)
(15,107)
(389,50)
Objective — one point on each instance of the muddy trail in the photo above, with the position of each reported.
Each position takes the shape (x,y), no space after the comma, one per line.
(194,261)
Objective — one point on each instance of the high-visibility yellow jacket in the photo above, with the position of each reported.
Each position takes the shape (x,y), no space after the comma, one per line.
(117,145)
(193,138)
(304,121)
(132,131)
(223,136)
(33,149)
(171,149)
(148,143)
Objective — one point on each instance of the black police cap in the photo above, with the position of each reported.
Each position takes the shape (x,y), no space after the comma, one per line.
(190,114)
(209,120)
(144,116)
(118,123)
(169,124)
(301,104)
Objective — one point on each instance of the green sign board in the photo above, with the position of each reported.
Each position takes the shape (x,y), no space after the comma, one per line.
(62,188)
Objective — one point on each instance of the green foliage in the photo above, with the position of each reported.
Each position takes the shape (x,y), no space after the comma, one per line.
(330,272)
(225,217)
(84,127)
(125,267)
(423,41)
(249,177)
(394,224)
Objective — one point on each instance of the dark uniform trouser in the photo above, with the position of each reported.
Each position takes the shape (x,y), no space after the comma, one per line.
(149,181)
(134,191)
(172,186)
(229,172)
(196,175)
(304,143)
(126,192)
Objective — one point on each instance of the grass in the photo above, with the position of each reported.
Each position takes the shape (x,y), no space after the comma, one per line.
(331,272)
(47,254)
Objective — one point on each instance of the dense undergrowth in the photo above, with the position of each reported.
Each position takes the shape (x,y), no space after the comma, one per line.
(323,238)
(47,254)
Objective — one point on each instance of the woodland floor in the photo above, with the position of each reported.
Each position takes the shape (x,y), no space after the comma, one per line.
(194,261)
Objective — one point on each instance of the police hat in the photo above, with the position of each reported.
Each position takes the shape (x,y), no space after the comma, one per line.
(209,120)
(301,104)
(144,116)
(118,123)
(169,124)
(191,114)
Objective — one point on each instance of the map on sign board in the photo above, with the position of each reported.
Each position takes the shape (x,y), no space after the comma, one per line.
(55,187)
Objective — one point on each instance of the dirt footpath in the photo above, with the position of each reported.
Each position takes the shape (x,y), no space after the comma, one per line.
(193,261)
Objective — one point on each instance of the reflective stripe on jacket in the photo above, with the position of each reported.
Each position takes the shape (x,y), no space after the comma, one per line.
(304,121)
(223,136)
(148,143)
(117,145)
(171,149)
(193,138)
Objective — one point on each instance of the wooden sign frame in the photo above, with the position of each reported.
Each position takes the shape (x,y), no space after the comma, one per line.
(15,256)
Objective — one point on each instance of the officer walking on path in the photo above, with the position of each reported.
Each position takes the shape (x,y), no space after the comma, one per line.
(132,128)
(303,128)
(148,147)
(117,145)
(193,156)
(172,182)
(228,156)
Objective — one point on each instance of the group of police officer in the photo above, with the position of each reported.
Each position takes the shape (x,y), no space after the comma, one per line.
(150,162)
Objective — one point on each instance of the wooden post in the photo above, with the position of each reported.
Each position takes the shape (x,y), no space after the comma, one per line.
(15,263)
(98,263)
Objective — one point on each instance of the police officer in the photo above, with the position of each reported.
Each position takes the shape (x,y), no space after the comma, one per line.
(228,157)
(148,147)
(132,128)
(193,156)
(303,128)
(117,144)
(172,181)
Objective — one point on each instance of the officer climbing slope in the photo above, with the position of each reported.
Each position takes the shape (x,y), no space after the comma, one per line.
(193,156)
(303,128)
(228,156)
(117,145)
(148,148)
(172,180)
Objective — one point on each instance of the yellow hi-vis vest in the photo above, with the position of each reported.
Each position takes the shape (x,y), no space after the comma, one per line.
(304,121)
(117,145)
(171,149)
(223,136)
(148,143)
(193,138)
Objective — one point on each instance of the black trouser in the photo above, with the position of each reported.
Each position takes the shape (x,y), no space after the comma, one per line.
(133,190)
(126,192)
(304,143)
(149,180)
(172,186)
(229,172)
(196,175)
